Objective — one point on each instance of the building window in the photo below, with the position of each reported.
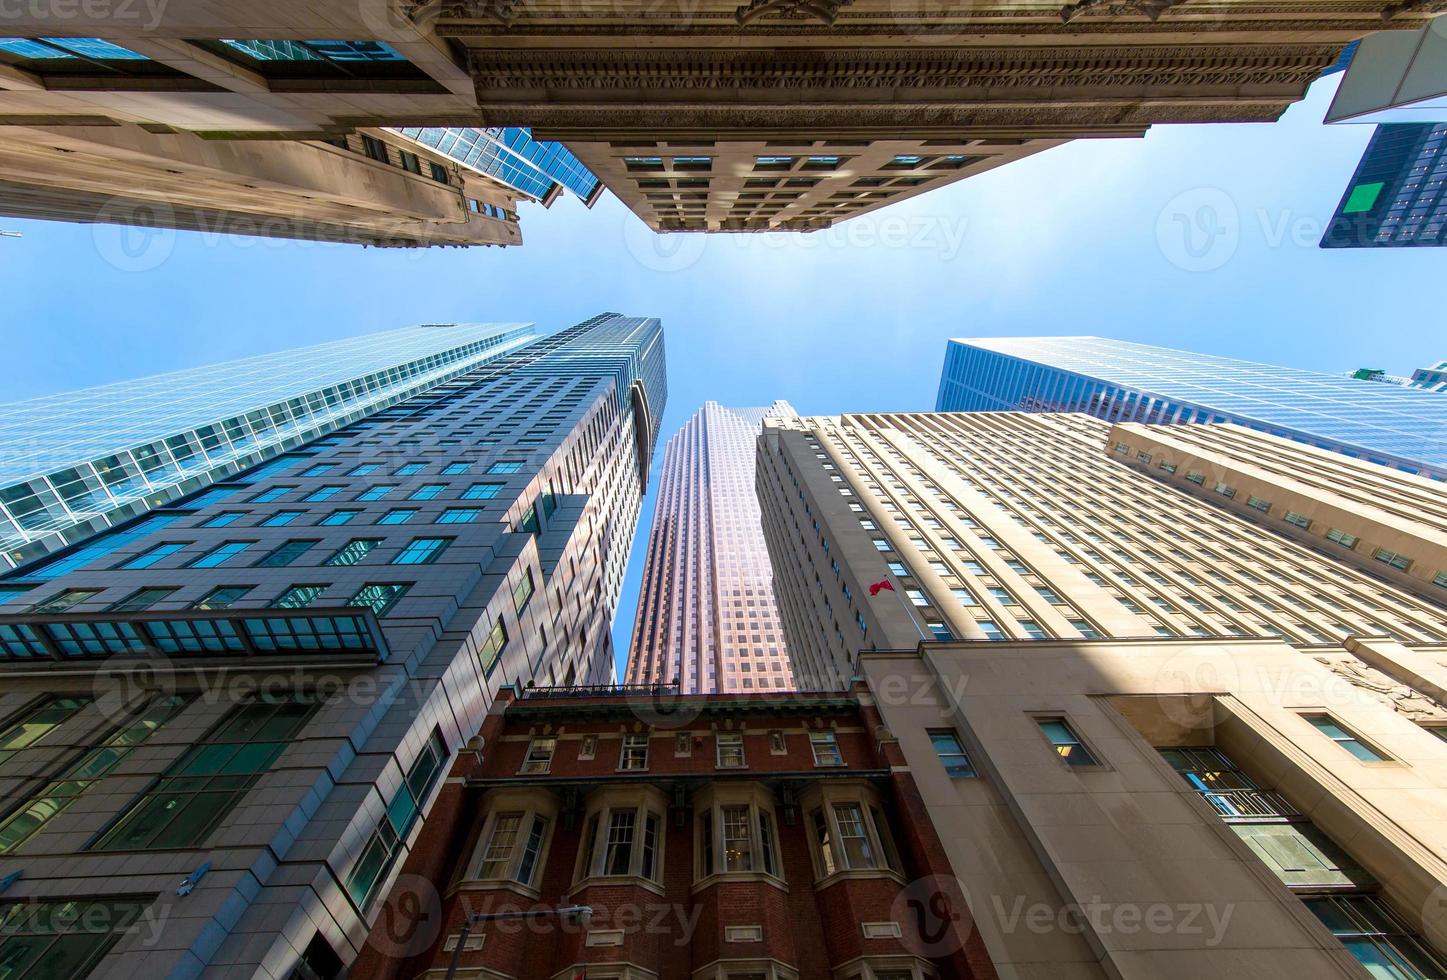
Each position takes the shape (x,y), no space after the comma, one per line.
(376,492)
(623,835)
(150,556)
(1300,520)
(198,790)
(1346,738)
(459,515)
(64,938)
(339,517)
(322,493)
(1398,561)
(353,551)
(633,756)
(1256,503)
(281,518)
(1195,477)
(952,754)
(421,551)
(505,467)
(539,758)
(848,830)
(493,647)
(481,491)
(62,601)
(729,747)
(399,516)
(225,518)
(522,591)
(1379,940)
(939,630)
(736,832)
(513,838)
(403,811)
(379,596)
(286,554)
(221,554)
(221,597)
(1067,744)
(1338,536)
(826,749)
(36,723)
(1086,630)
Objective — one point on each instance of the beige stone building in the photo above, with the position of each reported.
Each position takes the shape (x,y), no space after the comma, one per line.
(686,109)
(211,117)
(1173,695)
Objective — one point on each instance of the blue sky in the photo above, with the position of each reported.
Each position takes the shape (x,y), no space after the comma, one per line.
(1088,238)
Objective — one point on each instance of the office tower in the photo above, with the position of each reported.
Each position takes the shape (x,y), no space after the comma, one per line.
(756,835)
(1122,381)
(1176,691)
(225,722)
(686,113)
(510,155)
(1432,378)
(706,618)
(78,462)
(1394,199)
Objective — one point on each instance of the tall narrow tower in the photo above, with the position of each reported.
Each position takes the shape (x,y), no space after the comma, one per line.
(706,616)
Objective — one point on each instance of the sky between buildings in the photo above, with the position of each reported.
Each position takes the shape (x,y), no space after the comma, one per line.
(1199,237)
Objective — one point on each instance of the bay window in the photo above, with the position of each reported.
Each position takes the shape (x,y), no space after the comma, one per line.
(623,835)
(736,832)
(849,831)
(514,838)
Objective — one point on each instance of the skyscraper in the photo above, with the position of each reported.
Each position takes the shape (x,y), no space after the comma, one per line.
(1432,378)
(1395,198)
(706,617)
(510,155)
(1122,381)
(76,462)
(222,725)
(1184,672)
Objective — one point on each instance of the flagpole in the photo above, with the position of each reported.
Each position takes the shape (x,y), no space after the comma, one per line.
(913,622)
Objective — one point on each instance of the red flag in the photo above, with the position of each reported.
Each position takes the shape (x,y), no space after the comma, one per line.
(881,584)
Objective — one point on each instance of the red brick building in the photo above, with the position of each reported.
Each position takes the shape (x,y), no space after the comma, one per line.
(754,837)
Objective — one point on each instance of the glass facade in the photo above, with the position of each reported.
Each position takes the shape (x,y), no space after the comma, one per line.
(511,155)
(1120,381)
(74,463)
(1396,197)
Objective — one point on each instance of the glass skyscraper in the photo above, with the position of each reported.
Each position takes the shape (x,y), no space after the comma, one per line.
(302,647)
(72,464)
(510,154)
(1396,197)
(1127,382)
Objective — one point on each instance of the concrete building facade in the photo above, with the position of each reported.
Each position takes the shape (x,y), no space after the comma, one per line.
(222,725)
(1194,677)
(752,835)
(706,618)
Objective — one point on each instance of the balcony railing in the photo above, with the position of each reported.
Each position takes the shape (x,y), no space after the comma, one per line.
(1249,803)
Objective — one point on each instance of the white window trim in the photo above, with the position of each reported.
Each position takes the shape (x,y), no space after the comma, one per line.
(881,841)
(530,803)
(718,738)
(642,800)
(873,967)
(833,737)
(623,750)
(711,800)
(527,756)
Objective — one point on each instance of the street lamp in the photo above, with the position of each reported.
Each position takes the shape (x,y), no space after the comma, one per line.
(582,912)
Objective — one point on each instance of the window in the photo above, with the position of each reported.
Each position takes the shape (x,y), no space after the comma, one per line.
(505,467)
(1376,937)
(379,597)
(522,591)
(539,758)
(826,749)
(1337,536)
(364,469)
(41,940)
(36,723)
(152,555)
(952,755)
(281,518)
(421,551)
(62,601)
(199,789)
(221,554)
(453,469)
(1398,561)
(939,630)
(405,808)
(736,832)
(221,597)
(141,599)
(225,518)
(848,831)
(1300,520)
(513,845)
(1256,503)
(634,754)
(298,597)
(1066,743)
(493,647)
(1086,630)
(623,835)
(323,493)
(353,551)
(729,748)
(399,516)
(427,491)
(377,492)
(459,515)
(1033,629)
(338,517)
(271,493)
(1224,490)
(1346,738)
(481,491)
(990,628)
(286,553)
